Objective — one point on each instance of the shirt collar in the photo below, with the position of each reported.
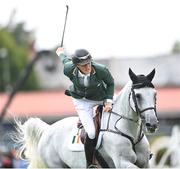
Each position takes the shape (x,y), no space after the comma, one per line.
(81,74)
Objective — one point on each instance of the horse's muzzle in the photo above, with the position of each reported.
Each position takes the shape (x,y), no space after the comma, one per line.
(151,122)
(152,128)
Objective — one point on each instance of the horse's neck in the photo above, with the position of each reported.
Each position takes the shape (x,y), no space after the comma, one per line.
(123,108)
(121,104)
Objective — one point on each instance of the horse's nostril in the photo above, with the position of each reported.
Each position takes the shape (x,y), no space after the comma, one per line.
(152,126)
(148,125)
(155,126)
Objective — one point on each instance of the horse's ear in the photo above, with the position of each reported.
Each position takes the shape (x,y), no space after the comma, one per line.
(150,76)
(132,75)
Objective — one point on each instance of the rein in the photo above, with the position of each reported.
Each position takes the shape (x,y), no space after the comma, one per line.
(117,131)
(124,117)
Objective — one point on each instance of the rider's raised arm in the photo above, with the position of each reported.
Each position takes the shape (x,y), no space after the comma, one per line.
(60,52)
(67,62)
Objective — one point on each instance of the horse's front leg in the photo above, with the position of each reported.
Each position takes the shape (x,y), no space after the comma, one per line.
(120,151)
(143,153)
(124,159)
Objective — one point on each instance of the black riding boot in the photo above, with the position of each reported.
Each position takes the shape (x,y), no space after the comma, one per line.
(89,147)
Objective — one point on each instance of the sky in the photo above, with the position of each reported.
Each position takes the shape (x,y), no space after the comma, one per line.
(107,28)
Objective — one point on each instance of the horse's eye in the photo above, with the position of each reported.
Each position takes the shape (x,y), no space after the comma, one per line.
(138,96)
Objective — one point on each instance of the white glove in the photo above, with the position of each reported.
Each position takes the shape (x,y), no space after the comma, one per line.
(108,105)
(59,51)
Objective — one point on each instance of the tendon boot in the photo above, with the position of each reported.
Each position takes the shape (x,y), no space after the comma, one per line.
(89,147)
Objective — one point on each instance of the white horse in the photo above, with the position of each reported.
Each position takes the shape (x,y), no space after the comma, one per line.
(123,143)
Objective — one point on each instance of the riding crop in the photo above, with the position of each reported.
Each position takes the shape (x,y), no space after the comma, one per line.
(67,9)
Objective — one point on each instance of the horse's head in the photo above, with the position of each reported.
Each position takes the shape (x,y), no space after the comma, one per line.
(143,99)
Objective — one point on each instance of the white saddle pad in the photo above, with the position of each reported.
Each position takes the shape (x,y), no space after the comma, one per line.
(75,143)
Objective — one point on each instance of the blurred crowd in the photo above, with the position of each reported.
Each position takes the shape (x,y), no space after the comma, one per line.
(9,159)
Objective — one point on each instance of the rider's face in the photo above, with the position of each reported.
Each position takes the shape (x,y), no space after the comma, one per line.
(85,69)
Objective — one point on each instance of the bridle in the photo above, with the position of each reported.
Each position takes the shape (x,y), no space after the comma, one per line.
(137,110)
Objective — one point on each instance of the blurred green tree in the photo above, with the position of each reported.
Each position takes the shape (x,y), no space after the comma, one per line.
(20,34)
(14,56)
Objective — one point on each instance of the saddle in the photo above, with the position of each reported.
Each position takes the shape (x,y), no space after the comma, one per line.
(97,123)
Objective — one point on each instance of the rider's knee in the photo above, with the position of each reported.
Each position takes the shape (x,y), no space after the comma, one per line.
(91,134)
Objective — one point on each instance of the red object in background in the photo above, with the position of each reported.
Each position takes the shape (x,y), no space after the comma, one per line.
(56,103)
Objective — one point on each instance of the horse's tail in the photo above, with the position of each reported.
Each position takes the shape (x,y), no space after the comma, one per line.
(27,139)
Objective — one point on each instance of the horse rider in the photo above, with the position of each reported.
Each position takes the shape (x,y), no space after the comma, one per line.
(93,84)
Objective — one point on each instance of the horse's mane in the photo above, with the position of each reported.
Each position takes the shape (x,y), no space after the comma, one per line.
(125,90)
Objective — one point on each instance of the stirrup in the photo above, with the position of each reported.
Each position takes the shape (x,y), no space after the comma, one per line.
(92,166)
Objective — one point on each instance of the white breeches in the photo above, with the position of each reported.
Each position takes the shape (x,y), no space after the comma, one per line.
(85,111)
